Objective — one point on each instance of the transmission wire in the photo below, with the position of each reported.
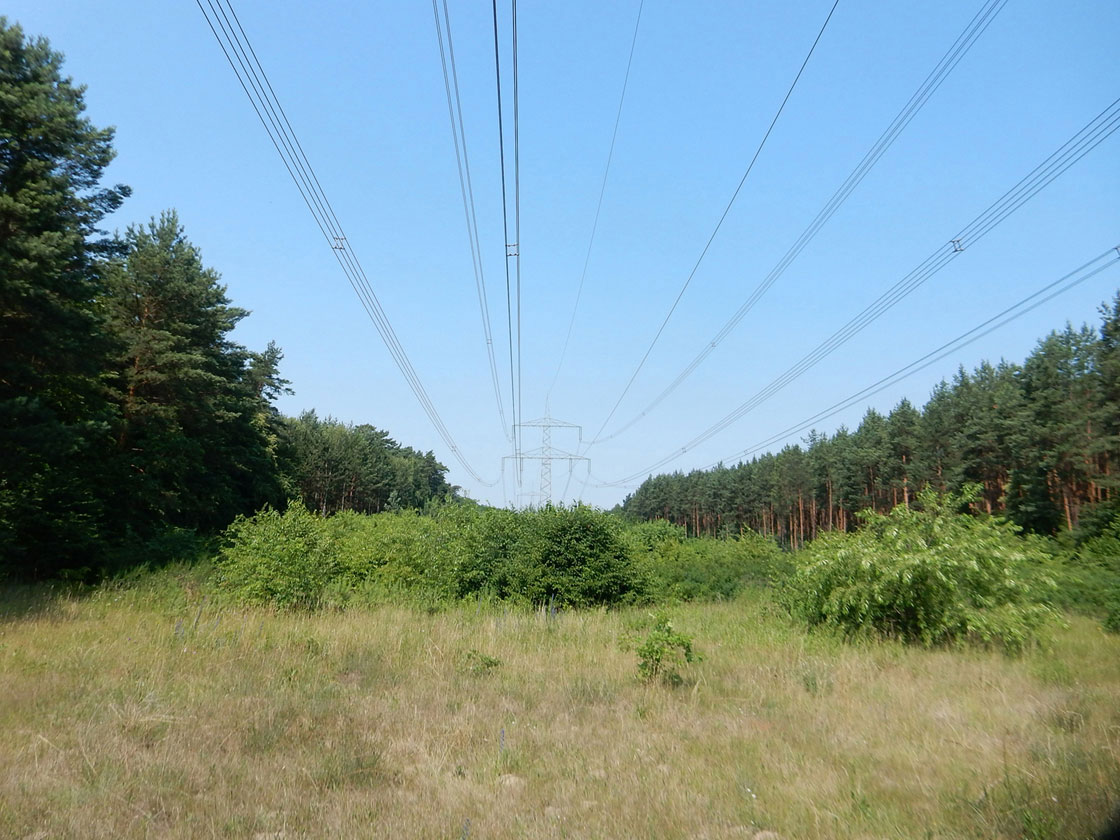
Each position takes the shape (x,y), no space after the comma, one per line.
(599,204)
(719,224)
(505,232)
(517,221)
(1084,141)
(462,160)
(1017,310)
(976,27)
(284,140)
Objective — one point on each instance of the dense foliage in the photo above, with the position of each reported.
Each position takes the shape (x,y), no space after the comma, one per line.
(1093,575)
(128,416)
(54,414)
(335,467)
(570,557)
(926,574)
(689,568)
(1042,440)
(556,556)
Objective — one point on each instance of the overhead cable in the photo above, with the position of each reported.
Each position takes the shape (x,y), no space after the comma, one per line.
(1088,138)
(242,58)
(933,81)
(719,224)
(462,160)
(599,203)
(517,214)
(1032,301)
(514,402)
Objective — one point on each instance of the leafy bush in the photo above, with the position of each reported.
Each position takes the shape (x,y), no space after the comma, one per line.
(285,558)
(663,652)
(1103,551)
(1088,579)
(1102,556)
(683,569)
(568,556)
(137,552)
(477,662)
(1080,587)
(652,534)
(576,556)
(1112,616)
(926,575)
(396,550)
(481,547)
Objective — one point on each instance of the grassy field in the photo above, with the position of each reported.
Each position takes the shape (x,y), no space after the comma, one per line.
(152,712)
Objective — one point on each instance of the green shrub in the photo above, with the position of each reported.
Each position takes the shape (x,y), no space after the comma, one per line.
(711,569)
(285,558)
(1111,620)
(926,575)
(136,552)
(653,534)
(567,556)
(1088,578)
(477,662)
(396,549)
(1083,588)
(1103,551)
(663,652)
(481,547)
(574,556)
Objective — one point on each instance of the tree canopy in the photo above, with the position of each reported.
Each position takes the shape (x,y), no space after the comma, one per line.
(1040,439)
(126,408)
(54,412)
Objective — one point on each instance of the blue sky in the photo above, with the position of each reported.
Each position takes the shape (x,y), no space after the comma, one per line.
(363,88)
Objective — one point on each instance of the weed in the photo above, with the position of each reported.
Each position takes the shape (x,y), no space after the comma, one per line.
(663,651)
(476,662)
(815,682)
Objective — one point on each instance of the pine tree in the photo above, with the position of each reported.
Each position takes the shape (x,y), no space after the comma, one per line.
(1058,436)
(54,414)
(902,439)
(193,437)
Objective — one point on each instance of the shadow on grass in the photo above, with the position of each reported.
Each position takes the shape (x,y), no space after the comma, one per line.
(34,600)
(171,570)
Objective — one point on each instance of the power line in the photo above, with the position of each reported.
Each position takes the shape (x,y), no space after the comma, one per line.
(719,224)
(929,86)
(517,214)
(462,160)
(567,484)
(1084,141)
(1017,310)
(1030,302)
(254,81)
(546,454)
(598,205)
(514,402)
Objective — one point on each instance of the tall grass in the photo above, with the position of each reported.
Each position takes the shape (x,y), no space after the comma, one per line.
(155,709)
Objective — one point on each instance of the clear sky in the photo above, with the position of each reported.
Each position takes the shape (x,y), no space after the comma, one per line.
(362,85)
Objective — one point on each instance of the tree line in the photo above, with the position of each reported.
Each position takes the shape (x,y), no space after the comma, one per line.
(1041,438)
(126,409)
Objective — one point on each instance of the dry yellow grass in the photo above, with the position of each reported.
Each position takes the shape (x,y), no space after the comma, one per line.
(124,717)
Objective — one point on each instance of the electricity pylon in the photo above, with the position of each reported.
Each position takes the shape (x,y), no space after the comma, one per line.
(546,454)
